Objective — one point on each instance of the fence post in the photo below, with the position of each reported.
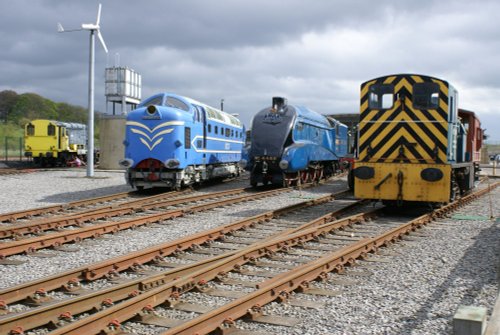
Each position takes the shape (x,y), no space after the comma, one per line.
(20,149)
(6,149)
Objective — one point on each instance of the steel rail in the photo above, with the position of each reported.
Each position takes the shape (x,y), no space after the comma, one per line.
(49,314)
(164,290)
(30,245)
(280,286)
(12,216)
(124,262)
(276,288)
(153,202)
(93,301)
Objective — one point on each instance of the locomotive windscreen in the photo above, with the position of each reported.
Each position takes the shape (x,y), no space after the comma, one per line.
(270,130)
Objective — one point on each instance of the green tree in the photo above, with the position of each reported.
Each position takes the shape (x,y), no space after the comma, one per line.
(30,106)
(7,100)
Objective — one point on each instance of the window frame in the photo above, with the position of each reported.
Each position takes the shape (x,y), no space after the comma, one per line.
(426,93)
(380,90)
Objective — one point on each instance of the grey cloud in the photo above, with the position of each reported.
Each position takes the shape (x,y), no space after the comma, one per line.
(316,53)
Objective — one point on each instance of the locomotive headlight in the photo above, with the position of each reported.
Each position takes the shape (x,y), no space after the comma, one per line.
(364,172)
(127,162)
(151,109)
(283,164)
(172,163)
(431,174)
(243,163)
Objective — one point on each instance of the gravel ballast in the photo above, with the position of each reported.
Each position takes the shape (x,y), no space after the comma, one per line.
(416,293)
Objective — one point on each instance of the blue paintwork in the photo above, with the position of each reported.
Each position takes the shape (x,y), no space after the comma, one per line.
(159,133)
(294,134)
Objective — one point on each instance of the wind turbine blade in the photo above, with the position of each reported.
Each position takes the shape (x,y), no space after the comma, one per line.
(60,28)
(98,15)
(102,40)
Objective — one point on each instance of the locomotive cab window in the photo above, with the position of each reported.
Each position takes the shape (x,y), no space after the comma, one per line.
(381,96)
(425,95)
(158,100)
(51,130)
(176,103)
(30,130)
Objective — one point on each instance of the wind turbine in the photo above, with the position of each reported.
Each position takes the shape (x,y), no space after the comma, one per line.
(93,28)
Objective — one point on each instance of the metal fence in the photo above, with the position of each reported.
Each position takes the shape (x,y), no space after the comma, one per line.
(11,148)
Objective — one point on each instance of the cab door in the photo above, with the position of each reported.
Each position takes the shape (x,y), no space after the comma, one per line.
(201,117)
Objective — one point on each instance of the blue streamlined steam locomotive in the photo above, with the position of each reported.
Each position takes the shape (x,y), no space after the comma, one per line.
(291,145)
(172,141)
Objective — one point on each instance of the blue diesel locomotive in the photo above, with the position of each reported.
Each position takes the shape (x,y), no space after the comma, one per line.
(172,141)
(292,145)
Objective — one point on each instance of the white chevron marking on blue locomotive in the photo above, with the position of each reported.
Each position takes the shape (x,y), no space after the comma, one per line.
(193,144)
(147,140)
(163,132)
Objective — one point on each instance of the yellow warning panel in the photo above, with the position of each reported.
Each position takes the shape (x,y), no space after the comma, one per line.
(402,181)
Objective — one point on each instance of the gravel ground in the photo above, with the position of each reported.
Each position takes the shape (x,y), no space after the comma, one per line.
(49,185)
(416,293)
(419,291)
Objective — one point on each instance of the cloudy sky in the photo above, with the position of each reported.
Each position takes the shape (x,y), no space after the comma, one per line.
(315,53)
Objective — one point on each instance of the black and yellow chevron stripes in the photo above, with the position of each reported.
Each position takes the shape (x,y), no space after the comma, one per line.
(403,133)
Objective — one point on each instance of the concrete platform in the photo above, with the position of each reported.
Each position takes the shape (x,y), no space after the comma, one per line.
(493,326)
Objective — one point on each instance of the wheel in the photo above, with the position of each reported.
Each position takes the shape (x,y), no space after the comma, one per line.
(304,177)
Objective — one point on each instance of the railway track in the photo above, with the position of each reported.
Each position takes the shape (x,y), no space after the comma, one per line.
(108,216)
(110,269)
(116,219)
(81,205)
(14,171)
(344,240)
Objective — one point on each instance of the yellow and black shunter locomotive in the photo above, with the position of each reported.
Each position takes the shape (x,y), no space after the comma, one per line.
(52,143)
(413,142)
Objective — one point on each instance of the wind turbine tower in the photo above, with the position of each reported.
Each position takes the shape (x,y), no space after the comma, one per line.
(93,28)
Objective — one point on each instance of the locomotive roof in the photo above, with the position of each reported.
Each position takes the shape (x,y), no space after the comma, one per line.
(68,125)
(310,115)
(213,113)
(414,75)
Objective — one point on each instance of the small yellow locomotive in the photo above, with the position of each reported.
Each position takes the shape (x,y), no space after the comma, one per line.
(52,143)
(413,141)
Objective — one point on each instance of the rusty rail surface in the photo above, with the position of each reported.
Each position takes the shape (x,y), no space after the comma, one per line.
(124,262)
(106,212)
(93,301)
(12,216)
(170,291)
(30,245)
(10,171)
(278,287)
